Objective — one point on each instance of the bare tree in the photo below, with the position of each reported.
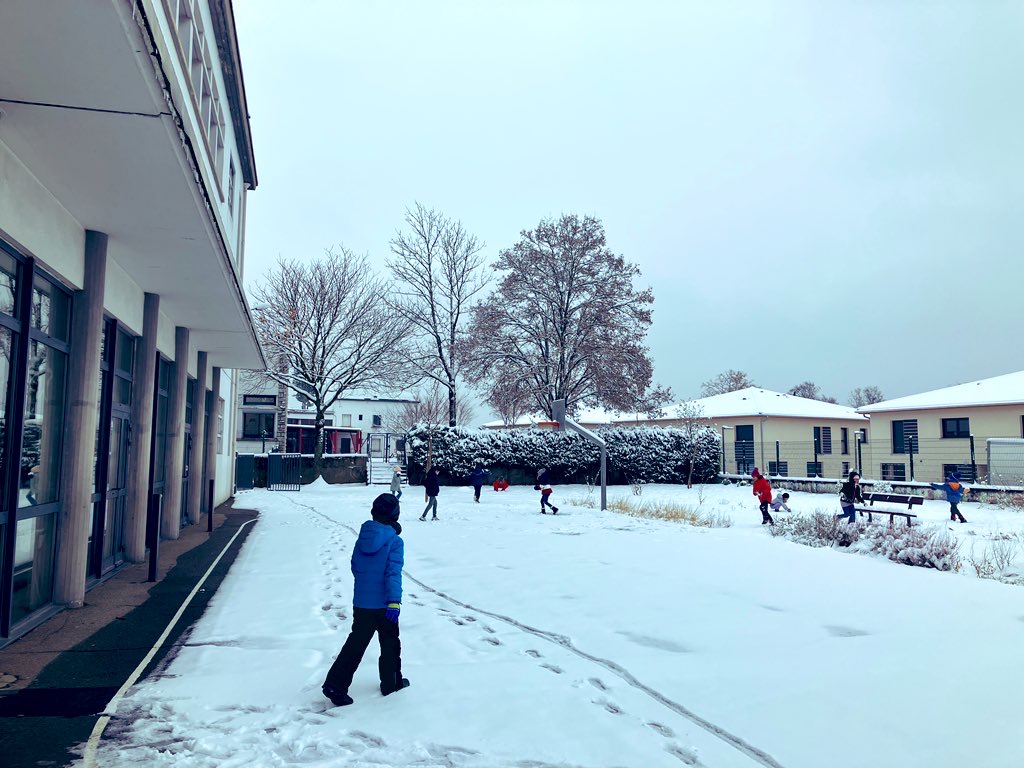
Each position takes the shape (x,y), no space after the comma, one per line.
(438,268)
(811,391)
(862,396)
(565,321)
(691,419)
(512,400)
(325,324)
(729,381)
(430,407)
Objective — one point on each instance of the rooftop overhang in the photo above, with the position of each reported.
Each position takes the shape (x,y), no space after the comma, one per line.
(87,111)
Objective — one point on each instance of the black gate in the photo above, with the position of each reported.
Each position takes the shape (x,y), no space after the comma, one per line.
(283,471)
(245,471)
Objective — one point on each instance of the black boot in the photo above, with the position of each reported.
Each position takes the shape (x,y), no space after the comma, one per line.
(387,691)
(338,698)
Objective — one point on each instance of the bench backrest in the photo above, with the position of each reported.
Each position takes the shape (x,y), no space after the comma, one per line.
(893,498)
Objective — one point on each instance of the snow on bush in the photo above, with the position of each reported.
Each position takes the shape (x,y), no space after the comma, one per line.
(923,546)
(641,455)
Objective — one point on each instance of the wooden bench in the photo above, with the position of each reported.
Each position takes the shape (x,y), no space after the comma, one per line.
(890,498)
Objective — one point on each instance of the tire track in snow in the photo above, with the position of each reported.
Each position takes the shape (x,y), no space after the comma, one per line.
(738,743)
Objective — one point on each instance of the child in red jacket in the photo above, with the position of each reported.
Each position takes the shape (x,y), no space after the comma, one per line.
(763,491)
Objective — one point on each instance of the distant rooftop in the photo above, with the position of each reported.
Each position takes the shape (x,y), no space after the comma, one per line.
(754,401)
(1007,389)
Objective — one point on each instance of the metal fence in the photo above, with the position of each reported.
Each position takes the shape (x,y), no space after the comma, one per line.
(284,471)
(245,471)
(979,459)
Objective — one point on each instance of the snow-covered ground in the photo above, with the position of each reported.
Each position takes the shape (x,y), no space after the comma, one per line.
(590,639)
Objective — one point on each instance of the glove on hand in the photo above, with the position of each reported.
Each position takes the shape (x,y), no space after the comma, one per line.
(391,614)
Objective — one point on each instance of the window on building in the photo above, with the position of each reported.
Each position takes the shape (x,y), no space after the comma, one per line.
(846,469)
(863,436)
(844,440)
(823,439)
(956,427)
(894,472)
(744,448)
(258,425)
(377,421)
(966,472)
(814,469)
(346,419)
(360,417)
(904,436)
(259,399)
(778,468)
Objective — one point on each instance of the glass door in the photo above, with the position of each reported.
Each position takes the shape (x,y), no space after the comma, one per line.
(117,488)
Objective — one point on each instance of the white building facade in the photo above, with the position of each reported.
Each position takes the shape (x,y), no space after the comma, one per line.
(125,160)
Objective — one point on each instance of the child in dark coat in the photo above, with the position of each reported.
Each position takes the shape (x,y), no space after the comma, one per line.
(431,488)
(954,494)
(377,561)
(849,495)
(478,477)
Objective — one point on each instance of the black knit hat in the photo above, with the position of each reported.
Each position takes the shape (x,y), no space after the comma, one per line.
(385,508)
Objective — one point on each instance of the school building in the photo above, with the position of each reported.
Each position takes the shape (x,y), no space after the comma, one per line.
(125,160)
(975,429)
(783,435)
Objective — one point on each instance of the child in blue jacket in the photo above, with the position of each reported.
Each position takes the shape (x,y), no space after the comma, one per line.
(377,561)
(954,493)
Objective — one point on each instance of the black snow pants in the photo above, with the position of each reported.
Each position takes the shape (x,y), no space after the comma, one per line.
(366,622)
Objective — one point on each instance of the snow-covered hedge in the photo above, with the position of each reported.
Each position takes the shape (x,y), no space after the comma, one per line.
(649,455)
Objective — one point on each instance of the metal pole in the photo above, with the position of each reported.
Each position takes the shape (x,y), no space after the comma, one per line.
(974,463)
(860,460)
(209,508)
(154,535)
(723,450)
(778,460)
(604,478)
(910,449)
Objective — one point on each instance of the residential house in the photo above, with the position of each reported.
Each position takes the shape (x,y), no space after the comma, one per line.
(926,436)
(125,160)
(784,435)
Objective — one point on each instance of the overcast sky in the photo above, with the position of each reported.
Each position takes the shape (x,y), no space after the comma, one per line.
(817,190)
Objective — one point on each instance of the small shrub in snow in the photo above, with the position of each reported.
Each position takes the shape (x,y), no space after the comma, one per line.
(637,486)
(881,486)
(926,547)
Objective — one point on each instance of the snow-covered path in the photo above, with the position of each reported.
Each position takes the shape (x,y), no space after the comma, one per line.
(587,639)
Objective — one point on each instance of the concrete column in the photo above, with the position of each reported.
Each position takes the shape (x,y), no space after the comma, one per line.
(75,516)
(195,482)
(139,456)
(175,455)
(210,454)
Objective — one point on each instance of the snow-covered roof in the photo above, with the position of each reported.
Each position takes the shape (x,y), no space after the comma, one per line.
(586,417)
(754,401)
(1007,389)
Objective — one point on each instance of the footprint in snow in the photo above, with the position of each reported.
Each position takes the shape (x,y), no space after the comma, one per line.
(534,654)
(661,729)
(686,756)
(598,683)
(553,668)
(609,706)
(492,640)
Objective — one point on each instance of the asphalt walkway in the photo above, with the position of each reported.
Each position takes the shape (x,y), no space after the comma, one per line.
(57,679)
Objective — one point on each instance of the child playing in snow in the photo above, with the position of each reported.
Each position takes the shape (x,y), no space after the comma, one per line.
(780,503)
(501,484)
(431,488)
(544,486)
(396,482)
(954,493)
(849,494)
(377,560)
(763,491)
(477,478)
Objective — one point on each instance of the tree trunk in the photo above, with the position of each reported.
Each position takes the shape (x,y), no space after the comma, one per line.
(452,421)
(318,443)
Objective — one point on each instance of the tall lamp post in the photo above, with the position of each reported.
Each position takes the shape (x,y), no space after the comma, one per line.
(724,427)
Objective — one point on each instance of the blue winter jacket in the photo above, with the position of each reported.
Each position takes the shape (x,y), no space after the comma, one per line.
(953,495)
(478,476)
(377,561)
